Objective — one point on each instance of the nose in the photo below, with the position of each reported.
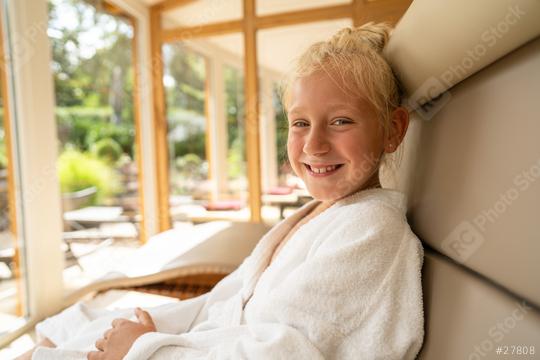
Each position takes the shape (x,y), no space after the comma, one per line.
(316,143)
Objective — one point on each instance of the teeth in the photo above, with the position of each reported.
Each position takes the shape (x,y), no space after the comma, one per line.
(322,170)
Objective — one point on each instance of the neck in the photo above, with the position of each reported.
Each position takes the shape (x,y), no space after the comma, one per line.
(372,183)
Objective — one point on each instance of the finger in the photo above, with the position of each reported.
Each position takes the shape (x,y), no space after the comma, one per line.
(107,334)
(144,317)
(117,322)
(95,355)
(100,344)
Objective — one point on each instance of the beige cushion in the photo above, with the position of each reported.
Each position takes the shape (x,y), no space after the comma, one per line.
(476,191)
(467,317)
(439,43)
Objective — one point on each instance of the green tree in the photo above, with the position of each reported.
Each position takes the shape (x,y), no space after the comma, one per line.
(187,68)
(91,74)
(234,102)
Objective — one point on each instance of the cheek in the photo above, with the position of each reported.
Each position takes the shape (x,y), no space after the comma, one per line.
(361,150)
(294,147)
(294,151)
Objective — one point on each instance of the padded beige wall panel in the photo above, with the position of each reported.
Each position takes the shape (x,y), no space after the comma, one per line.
(476,195)
(438,43)
(467,317)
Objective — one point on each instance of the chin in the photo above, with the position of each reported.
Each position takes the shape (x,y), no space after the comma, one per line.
(324,195)
(333,194)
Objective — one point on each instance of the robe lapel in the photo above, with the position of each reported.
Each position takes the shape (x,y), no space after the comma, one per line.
(259,259)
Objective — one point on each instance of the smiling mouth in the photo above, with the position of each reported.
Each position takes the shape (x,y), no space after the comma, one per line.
(322,169)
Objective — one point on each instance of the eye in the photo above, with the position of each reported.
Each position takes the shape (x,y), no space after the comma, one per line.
(299,123)
(342,121)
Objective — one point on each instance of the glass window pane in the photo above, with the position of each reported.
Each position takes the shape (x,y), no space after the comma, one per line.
(97,165)
(13,309)
(236,135)
(204,85)
(184,81)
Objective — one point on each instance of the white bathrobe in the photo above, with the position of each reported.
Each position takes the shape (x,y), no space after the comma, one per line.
(347,285)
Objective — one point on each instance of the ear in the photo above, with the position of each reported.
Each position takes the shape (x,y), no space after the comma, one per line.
(398,129)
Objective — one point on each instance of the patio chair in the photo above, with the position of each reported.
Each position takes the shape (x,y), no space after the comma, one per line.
(97,217)
(184,262)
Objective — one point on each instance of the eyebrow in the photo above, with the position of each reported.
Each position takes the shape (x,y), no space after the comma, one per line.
(331,107)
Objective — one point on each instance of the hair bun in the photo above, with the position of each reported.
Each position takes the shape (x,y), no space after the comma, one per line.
(374,35)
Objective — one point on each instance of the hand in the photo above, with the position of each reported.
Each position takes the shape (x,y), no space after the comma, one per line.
(117,341)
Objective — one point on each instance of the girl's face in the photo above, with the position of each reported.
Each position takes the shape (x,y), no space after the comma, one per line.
(335,141)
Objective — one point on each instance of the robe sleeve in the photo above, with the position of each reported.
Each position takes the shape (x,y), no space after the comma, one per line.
(79,325)
(181,317)
(356,296)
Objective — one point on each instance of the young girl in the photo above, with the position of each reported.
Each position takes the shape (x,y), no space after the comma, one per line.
(340,278)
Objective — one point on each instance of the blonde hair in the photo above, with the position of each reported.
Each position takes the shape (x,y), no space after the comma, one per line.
(355,56)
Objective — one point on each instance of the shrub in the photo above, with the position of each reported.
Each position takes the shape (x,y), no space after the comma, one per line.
(107,150)
(3,155)
(189,174)
(236,165)
(82,127)
(192,166)
(78,170)
(75,122)
(123,134)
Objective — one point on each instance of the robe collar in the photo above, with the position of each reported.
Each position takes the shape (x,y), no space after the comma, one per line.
(258,261)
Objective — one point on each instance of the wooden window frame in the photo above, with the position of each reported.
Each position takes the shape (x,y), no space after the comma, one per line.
(11,189)
(115,10)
